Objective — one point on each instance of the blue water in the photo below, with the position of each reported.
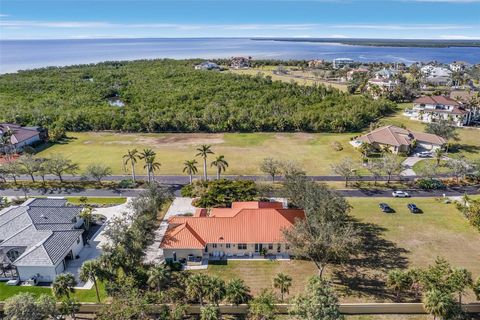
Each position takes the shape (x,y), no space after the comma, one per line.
(27,54)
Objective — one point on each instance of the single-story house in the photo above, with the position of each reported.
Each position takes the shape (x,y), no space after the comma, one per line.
(39,237)
(432,108)
(400,140)
(245,229)
(23,136)
(207,65)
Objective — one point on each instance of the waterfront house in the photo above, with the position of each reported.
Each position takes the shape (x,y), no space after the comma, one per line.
(342,63)
(207,65)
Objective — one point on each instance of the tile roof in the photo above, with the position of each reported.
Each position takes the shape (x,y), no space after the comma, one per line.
(19,133)
(242,225)
(395,136)
(443,100)
(47,202)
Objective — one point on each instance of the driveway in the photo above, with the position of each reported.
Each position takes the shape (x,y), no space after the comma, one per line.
(408,164)
(180,205)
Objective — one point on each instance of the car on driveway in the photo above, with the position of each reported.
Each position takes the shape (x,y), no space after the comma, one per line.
(400,194)
(385,207)
(413,208)
(424,154)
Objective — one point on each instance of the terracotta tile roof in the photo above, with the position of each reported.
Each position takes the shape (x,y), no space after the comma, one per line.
(436,100)
(245,225)
(238,206)
(395,136)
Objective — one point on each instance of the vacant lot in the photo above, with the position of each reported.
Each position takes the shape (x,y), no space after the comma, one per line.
(398,240)
(243,151)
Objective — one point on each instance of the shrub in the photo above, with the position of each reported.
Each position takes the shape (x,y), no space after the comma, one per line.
(127,184)
(337,146)
(430,184)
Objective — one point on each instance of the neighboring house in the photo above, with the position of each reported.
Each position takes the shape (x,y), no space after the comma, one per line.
(433,108)
(39,237)
(23,136)
(246,229)
(316,63)
(342,63)
(207,65)
(240,62)
(435,75)
(457,66)
(351,74)
(399,140)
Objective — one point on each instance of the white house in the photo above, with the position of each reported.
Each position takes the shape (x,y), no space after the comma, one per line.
(207,65)
(433,108)
(435,75)
(40,237)
(457,66)
(342,62)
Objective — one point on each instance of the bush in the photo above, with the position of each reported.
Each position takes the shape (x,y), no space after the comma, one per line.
(127,184)
(220,193)
(337,146)
(430,184)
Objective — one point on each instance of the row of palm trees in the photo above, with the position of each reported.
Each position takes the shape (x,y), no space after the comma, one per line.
(190,166)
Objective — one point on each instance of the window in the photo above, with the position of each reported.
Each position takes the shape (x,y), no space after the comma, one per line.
(279,247)
(270,246)
(242,246)
(214,245)
(227,245)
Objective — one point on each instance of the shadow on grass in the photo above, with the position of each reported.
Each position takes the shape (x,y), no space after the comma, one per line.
(48,144)
(365,274)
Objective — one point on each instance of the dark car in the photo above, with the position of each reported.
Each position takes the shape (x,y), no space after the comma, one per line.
(385,207)
(413,208)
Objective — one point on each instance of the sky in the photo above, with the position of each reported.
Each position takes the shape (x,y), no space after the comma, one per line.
(402,19)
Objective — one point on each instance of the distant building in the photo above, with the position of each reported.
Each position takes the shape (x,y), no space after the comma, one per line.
(207,65)
(434,108)
(351,74)
(22,136)
(342,63)
(40,237)
(316,63)
(436,76)
(240,62)
(400,140)
(458,66)
(385,79)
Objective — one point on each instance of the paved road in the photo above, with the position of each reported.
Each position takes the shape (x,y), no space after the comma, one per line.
(176,188)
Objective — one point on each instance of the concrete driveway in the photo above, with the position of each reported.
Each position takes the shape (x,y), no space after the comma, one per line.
(408,164)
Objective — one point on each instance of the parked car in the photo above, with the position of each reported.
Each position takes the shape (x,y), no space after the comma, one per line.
(385,207)
(413,208)
(400,194)
(424,154)
(13,282)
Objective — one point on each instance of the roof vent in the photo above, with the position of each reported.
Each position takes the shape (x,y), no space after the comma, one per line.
(43,216)
(221,238)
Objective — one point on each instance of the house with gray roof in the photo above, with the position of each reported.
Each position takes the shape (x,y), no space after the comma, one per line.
(22,136)
(39,237)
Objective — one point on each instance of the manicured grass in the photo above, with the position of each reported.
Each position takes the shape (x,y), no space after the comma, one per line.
(398,240)
(80,295)
(243,151)
(421,166)
(97,200)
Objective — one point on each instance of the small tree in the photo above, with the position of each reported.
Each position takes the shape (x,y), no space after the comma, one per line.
(215,291)
(476,288)
(131,157)
(190,167)
(439,304)
(375,169)
(271,167)
(282,282)
(439,153)
(237,292)
(64,285)
(98,171)
(91,270)
(13,170)
(197,286)
(209,312)
(459,167)
(59,165)
(346,168)
(391,165)
(24,306)
(399,281)
(317,302)
(459,281)
(442,128)
(29,165)
(221,164)
(158,277)
(262,307)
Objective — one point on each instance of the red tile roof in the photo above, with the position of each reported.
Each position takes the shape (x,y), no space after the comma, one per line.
(395,136)
(241,225)
(437,100)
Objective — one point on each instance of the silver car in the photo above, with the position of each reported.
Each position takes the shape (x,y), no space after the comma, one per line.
(400,194)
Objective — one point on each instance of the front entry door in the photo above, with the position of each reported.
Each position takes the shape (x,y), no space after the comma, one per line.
(258,247)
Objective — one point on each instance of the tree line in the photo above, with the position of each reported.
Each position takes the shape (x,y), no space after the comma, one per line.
(170,96)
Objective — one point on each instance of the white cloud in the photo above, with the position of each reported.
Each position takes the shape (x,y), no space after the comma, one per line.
(459,37)
(402,26)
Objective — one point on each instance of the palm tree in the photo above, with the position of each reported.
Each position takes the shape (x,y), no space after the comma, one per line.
(154,166)
(132,157)
(237,292)
(196,288)
(439,155)
(398,280)
(146,155)
(209,312)
(221,165)
(90,270)
(87,217)
(158,276)
(203,152)
(64,285)
(438,303)
(190,166)
(282,282)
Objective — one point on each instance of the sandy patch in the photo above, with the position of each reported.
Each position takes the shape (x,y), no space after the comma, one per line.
(297,135)
(182,139)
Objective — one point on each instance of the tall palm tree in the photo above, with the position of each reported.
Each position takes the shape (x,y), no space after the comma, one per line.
(154,166)
(438,303)
(439,155)
(146,155)
(64,285)
(282,282)
(221,165)
(190,166)
(90,270)
(158,276)
(203,152)
(131,156)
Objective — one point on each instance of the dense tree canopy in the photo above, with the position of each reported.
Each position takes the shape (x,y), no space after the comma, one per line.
(169,95)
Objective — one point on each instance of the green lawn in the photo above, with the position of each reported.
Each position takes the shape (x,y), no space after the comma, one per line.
(97,200)
(421,166)
(398,240)
(243,151)
(80,295)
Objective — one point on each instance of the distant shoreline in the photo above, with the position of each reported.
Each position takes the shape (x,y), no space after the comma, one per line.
(417,43)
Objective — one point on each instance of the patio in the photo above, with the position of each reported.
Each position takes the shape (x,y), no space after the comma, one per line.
(199,263)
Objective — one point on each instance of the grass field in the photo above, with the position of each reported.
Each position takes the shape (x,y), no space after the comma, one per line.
(97,200)
(398,240)
(80,295)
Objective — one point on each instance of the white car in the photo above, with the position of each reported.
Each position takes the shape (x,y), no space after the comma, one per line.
(400,194)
